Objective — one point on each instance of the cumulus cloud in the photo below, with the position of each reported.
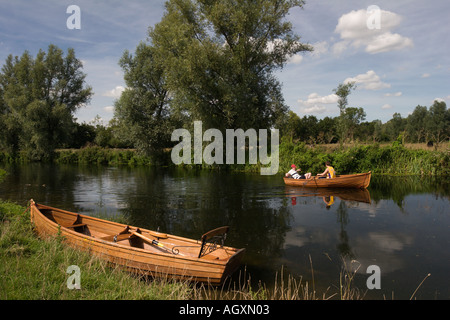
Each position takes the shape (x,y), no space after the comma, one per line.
(109,109)
(315,103)
(354,30)
(369,81)
(386,106)
(320,48)
(295,59)
(395,94)
(114,93)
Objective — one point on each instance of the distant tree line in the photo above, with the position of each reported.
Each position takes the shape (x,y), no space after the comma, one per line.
(424,125)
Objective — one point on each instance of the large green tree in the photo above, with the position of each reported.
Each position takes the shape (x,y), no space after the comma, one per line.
(438,125)
(39,97)
(219,59)
(142,111)
(345,120)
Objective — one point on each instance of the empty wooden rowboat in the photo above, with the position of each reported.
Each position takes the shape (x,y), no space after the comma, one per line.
(359,180)
(142,251)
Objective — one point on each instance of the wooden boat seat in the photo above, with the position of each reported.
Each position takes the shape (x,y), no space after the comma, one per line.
(125,234)
(76,225)
(117,237)
(211,239)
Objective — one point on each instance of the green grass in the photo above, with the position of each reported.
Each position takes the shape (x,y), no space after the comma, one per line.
(35,269)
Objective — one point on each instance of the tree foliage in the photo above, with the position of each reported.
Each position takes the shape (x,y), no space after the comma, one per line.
(38,97)
(219,57)
(142,112)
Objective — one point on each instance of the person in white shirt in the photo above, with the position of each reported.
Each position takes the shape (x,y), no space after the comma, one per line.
(294,173)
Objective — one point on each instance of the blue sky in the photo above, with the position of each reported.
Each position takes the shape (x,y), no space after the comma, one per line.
(399,61)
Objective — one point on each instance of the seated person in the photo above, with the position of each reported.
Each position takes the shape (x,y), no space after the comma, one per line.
(329,171)
(293,173)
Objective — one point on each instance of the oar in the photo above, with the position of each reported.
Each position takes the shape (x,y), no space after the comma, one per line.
(155,242)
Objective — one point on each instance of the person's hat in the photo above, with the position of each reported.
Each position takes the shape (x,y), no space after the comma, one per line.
(293,166)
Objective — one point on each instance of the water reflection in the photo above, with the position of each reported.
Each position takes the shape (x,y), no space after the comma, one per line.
(400,223)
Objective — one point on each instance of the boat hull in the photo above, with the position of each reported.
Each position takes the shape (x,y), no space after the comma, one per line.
(360,180)
(144,258)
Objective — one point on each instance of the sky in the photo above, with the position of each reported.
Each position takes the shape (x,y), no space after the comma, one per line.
(396,51)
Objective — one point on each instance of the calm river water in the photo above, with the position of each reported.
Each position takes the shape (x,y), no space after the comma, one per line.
(400,224)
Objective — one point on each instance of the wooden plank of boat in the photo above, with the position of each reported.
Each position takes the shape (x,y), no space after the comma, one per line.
(360,180)
(140,250)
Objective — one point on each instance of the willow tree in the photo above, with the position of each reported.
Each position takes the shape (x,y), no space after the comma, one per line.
(219,59)
(142,111)
(39,97)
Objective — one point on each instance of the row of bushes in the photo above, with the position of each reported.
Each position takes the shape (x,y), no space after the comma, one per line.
(98,155)
(88,155)
(394,159)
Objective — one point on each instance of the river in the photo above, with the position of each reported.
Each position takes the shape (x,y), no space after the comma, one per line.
(399,224)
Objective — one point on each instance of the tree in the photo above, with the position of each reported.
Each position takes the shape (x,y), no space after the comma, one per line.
(438,123)
(291,126)
(351,118)
(39,98)
(142,112)
(395,126)
(416,124)
(344,121)
(219,58)
(10,125)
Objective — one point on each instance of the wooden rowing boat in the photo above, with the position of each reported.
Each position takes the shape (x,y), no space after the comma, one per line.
(142,251)
(360,180)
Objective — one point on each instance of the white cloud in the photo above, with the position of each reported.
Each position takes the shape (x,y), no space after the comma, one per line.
(388,42)
(315,98)
(315,103)
(426,75)
(340,47)
(386,106)
(319,48)
(314,109)
(395,94)
(295,59)
(369,81)
(353,29)
(114,93)
(109,108)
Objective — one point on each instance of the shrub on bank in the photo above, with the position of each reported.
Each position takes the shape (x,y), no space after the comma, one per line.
(395,159)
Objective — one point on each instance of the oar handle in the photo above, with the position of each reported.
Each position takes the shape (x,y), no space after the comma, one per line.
(154,242)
